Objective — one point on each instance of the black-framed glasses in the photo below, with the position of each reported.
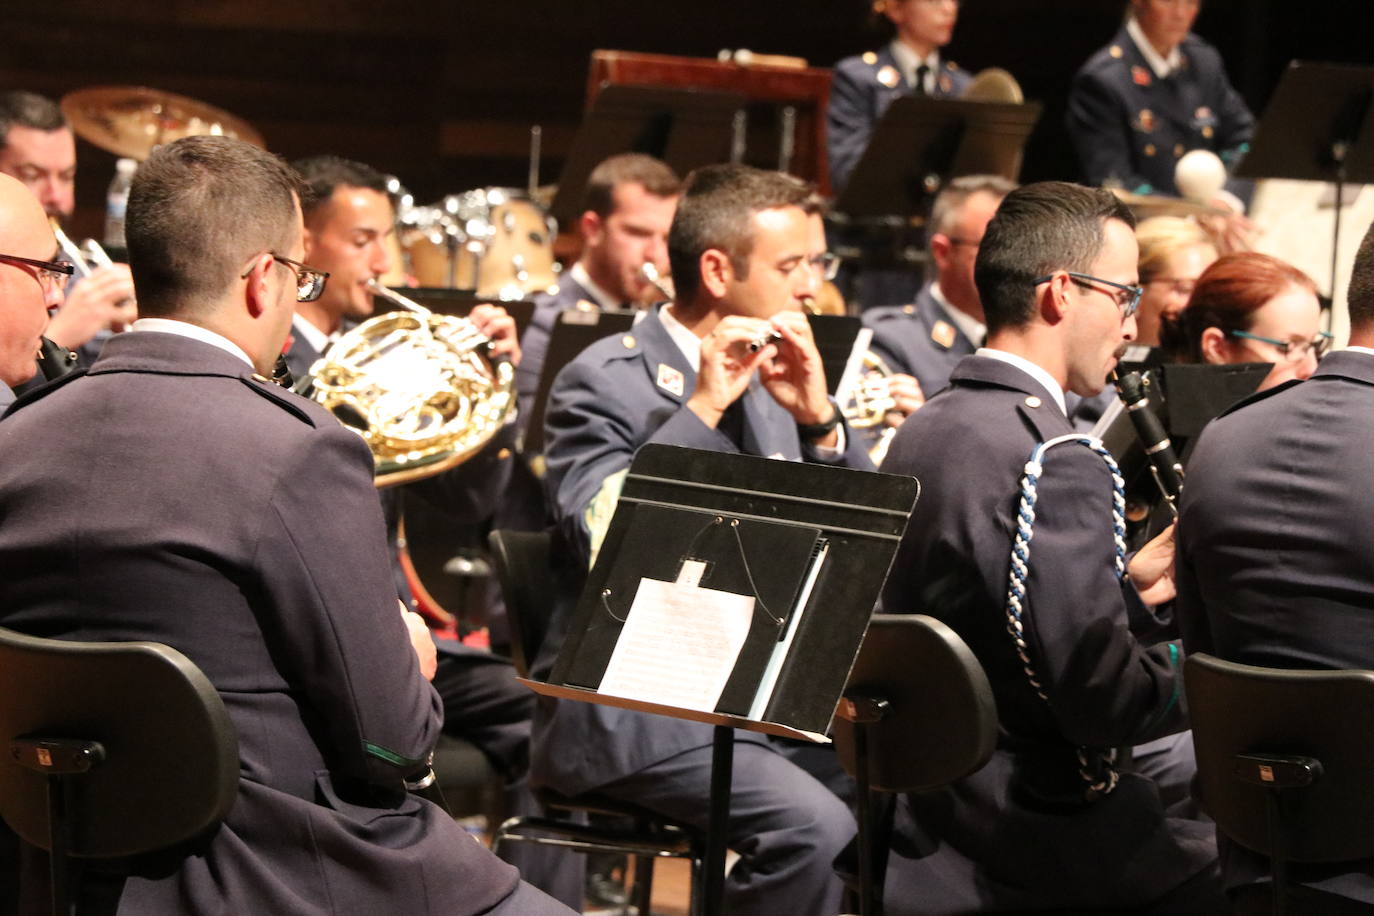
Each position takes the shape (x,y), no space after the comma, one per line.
(1127,297)
(309,281)
(53,274)
(1293,350)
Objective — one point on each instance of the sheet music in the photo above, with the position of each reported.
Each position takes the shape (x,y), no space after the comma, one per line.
(679,644)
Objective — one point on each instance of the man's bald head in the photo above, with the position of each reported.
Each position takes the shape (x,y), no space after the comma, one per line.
(25,295)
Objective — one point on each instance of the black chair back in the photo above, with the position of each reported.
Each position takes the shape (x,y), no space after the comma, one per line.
(1267,712)
(524,567)
(941,720)
(171,764)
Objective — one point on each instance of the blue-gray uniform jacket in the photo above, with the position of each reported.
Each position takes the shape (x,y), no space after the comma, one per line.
(1020,833)
(920,340)
(1276,554)
(860,90)
(1131,127)
(534,345)
(620,393)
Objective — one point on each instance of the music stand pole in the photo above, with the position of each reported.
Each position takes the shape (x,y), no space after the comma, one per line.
(722,767)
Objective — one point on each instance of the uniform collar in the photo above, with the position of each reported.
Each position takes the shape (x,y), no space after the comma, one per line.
(686,341)
(1162,66)
(316,339)
(597,294)
(969,326)
(908,63)
(193,331)
(1037,373)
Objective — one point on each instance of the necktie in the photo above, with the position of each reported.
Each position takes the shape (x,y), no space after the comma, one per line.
(922,72)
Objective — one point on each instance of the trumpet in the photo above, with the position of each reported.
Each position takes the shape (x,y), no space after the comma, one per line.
(86,257)
(661,282)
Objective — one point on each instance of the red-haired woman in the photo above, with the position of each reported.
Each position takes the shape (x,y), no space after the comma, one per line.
(1249,308)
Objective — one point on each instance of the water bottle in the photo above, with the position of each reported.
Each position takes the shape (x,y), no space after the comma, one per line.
(116,202)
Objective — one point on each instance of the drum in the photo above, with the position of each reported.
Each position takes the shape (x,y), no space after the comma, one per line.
(494,240)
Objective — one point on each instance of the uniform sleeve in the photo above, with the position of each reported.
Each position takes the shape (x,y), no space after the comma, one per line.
(1101,133)
(849,125)
(1104,688)
(592,430)
(330,604)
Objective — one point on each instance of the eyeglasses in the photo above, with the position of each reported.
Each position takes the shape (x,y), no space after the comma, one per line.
(1292,350)
(1127,297)
(52,274)
(971,243)
(1177,285)
(826,265)
(309,281)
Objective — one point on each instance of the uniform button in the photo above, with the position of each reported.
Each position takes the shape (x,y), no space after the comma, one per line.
(1178,150)
(1149,149)
(629,341)
(1032,401)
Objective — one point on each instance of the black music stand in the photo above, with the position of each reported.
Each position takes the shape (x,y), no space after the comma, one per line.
(686,128)
(1185,397)
(574,331)
(810,537)
(835,336)
(921,143)
(459,302)
(1314,130)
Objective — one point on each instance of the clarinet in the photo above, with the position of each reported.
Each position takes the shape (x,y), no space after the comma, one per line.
(1164,464)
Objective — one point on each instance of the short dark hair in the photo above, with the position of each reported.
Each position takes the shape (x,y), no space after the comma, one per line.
(199,210)
(28,109)
(323,174)
(1359,295)
(1038,229)
(628,168)
(1227,296)
(717,207)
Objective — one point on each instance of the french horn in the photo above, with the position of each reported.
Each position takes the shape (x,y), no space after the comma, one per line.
(418,386)
(866,403)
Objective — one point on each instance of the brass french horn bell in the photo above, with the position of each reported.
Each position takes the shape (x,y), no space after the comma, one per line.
(418,386)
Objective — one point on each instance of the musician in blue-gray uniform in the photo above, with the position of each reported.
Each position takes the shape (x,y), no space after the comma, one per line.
(1275,558)
(1156,92)
(627,209)
(927,338)
(1056,820)
(747,248)
(911,64)
(207,508)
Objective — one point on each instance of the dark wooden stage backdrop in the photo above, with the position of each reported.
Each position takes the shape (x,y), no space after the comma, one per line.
(442,92)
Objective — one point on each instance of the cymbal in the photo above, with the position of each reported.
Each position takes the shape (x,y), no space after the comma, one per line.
(131,120)
(1147,205)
